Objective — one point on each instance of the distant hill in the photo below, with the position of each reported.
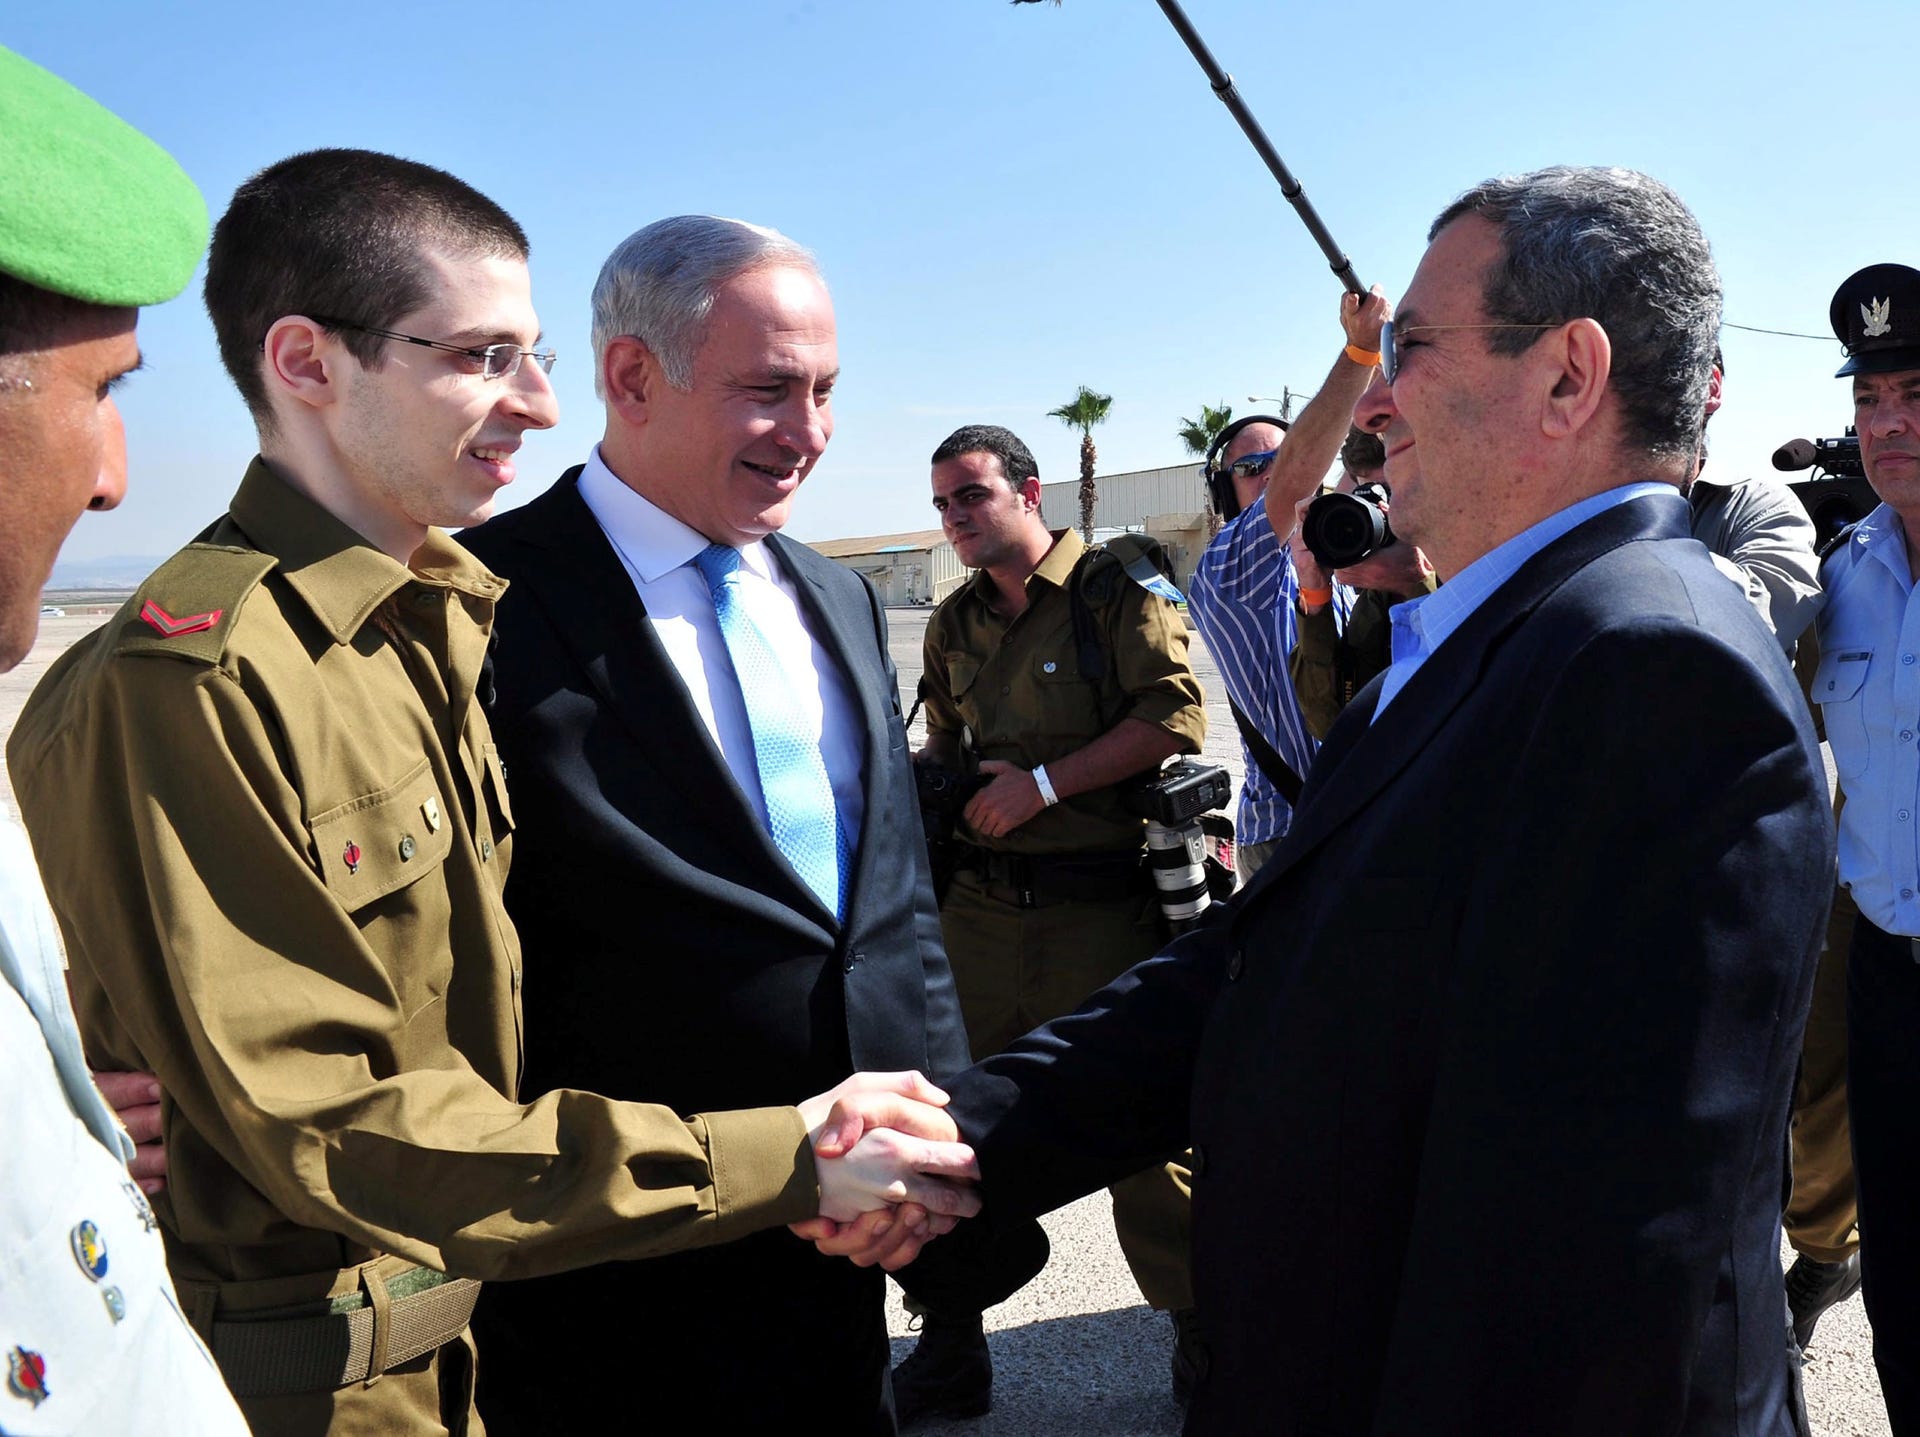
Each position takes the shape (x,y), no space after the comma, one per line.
(120,572)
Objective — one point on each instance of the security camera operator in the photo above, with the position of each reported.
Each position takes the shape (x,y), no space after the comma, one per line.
(1066,675)
(1332,662)
(1244,595)
(1868,687)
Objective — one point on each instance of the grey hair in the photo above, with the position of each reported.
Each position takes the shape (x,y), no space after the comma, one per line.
(1618,247)
(658,285)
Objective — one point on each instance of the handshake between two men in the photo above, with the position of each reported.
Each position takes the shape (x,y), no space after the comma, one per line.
(893,1172)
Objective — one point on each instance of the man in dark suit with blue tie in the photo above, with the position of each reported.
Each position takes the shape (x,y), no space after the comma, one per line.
(719,877)
(1489,1132)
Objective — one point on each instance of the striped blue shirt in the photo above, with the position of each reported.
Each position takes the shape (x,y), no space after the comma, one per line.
(1421,625)
(1243,598)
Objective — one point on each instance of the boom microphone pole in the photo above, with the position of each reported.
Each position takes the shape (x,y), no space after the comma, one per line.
(1296,196)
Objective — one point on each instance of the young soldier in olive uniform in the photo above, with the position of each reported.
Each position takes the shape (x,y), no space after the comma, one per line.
(1051,899)
(99,220)
(275,829)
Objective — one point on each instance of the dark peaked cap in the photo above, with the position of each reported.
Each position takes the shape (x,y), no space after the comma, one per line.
(89,207)
(1876,315)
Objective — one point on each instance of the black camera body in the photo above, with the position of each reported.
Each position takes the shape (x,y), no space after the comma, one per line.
(943,793)
(1178,793)
(1343,529)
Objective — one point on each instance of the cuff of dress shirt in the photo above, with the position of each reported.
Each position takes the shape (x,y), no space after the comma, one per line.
(762,1166)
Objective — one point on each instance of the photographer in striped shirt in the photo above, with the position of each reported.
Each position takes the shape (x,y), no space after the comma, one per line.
(1245,597)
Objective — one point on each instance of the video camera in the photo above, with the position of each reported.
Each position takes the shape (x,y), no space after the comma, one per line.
(1343,529)
(1838,494)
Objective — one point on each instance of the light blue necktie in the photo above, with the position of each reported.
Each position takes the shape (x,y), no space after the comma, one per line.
(793,775)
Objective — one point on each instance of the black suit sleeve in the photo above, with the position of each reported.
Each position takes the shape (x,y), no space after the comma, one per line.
(1633,965)
(1099,1094)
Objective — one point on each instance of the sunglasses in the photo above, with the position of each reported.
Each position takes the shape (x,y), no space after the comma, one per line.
(1390,351)
(1251,466)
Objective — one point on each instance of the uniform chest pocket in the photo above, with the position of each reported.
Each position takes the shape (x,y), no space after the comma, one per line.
(378,844)
(1839,687)
(1066,706)
(963,671)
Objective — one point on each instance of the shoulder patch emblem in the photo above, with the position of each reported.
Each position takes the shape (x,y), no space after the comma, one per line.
(172,628)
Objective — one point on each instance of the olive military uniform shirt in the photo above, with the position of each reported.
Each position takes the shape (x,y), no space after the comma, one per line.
(1329,665)
(1018,687)
(275,828)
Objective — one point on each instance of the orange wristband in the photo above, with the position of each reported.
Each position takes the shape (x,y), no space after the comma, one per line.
(1368,357)
(1318,598)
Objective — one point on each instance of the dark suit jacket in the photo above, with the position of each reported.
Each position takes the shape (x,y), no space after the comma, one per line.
(673,956)
(1489,1132)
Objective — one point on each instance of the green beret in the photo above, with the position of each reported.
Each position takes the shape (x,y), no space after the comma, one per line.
(89,207)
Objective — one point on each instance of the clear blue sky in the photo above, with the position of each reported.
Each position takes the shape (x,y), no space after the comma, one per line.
(1012,201)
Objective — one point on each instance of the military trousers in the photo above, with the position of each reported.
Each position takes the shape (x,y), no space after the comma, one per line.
(1820,1217)
(1883,1074)
(1016,968)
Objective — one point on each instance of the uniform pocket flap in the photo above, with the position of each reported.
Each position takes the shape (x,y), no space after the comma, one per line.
(1058,668)
(1840,675)
(372,846)
(962,670)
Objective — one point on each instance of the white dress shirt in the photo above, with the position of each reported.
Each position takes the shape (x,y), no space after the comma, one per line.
(100,1348)
(658,552)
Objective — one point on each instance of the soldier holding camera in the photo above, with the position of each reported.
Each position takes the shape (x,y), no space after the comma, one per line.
(1059,674)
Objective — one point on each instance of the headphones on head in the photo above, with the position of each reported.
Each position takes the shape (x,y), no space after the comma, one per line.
(1220,493)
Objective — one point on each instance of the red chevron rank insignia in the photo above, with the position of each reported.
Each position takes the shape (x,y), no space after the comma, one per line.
(173,628)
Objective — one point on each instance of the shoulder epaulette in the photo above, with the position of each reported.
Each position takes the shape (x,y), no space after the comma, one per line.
(187,606)
(1142,560)
(1838,540)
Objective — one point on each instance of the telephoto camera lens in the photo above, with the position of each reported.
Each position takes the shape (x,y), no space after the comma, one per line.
(1343,529)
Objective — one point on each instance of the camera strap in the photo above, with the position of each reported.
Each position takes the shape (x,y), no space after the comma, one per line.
(1278,771)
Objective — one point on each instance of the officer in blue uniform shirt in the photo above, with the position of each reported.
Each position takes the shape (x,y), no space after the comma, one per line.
(98,221)
(1868,685)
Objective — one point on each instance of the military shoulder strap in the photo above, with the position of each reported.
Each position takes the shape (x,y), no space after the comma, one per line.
(1095,581)
(1838,540)
(187,606)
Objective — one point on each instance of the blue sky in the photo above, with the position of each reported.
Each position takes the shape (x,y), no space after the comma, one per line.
(1012,201)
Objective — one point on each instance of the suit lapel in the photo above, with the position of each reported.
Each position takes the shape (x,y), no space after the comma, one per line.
(1364,754)
(590,599)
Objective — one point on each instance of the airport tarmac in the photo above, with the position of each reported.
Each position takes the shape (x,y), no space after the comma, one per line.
(1076,1354)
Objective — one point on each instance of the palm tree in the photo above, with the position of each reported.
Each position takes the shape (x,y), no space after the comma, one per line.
(1198,434)
(1082,412)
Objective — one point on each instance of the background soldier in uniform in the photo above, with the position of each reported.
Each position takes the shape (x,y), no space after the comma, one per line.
(99,220)
(274,826)
(1051,899)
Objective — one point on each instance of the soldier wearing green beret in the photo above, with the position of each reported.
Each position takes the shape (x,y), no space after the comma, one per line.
(275,828)
(95,221)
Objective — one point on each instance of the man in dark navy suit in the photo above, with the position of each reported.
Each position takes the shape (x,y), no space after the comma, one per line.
(719,877)
(1489,1133)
